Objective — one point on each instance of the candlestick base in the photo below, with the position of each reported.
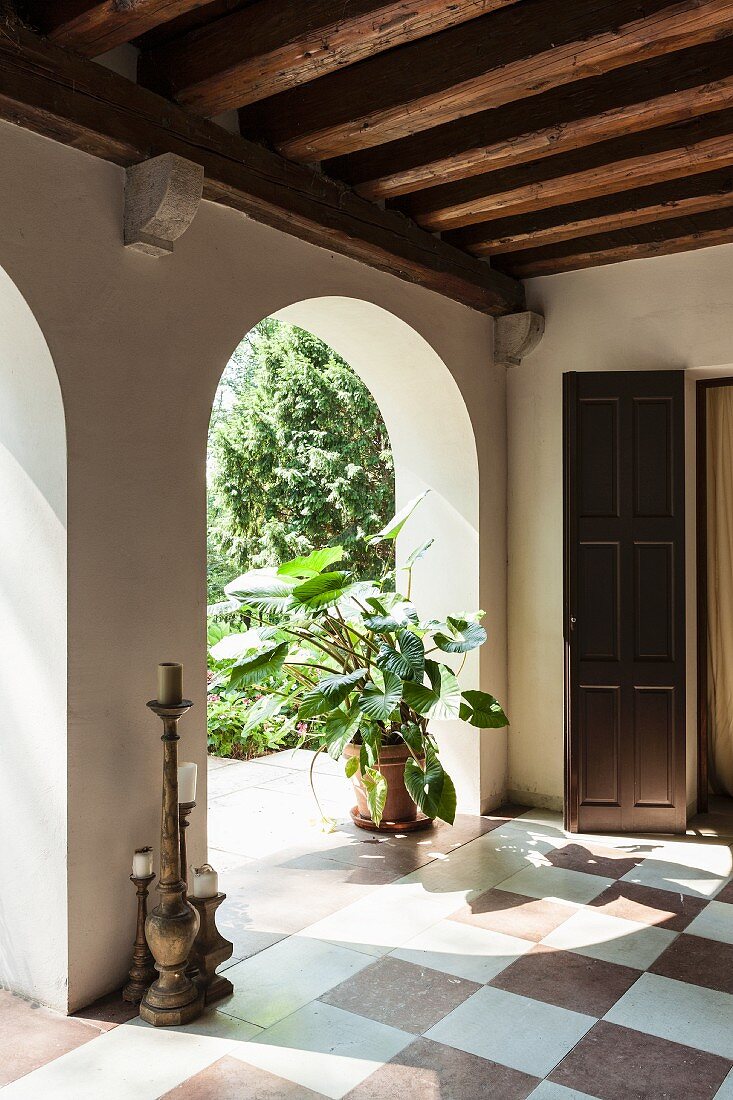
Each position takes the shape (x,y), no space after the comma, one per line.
(171,1017)
(210,950)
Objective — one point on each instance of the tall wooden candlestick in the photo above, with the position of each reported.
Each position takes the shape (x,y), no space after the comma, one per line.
(172,926)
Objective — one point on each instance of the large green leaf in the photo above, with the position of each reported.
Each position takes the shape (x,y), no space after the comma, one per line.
(255,669)
(460,635)
(482,710)
(340,729)
(387,622)
(407,662)
(268,706)
(314,703)
(312,564)
(418,553)
(441,700)
(263,590)
(413,737)
(233,646)
(338,686)
(392,529)
(322,590)
(375,787)
(378,701)
(431,788)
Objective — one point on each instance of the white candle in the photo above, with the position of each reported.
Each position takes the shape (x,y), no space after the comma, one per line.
(170,684)
(187,782)
(142,862)
(205,881)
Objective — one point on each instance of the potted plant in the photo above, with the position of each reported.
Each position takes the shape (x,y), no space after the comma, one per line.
(365,673)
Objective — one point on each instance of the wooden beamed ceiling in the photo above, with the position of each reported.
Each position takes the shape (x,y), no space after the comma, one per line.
(535,135)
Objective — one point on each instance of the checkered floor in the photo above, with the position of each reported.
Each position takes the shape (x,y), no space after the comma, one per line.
(512,961)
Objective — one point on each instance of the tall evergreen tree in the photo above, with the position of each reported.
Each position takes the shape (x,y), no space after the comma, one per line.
(298,456)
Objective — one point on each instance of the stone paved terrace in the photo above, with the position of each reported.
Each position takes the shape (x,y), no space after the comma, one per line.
(498,960)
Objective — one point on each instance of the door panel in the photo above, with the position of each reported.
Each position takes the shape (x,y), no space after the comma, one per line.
(624,601)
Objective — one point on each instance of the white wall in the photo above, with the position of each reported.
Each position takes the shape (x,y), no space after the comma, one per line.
(33,911)
(659,314)
(139,346)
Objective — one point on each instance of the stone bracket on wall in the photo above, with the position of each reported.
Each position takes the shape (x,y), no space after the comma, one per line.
(162,196)
(515,336)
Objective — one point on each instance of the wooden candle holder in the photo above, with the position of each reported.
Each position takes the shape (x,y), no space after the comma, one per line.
(142,972)
(210,950)
(172,926)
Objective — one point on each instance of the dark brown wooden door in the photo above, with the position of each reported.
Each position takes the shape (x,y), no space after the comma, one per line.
(625,601)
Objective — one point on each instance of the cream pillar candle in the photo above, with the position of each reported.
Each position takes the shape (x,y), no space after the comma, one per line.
(205,881)
(187,782)
(142,862)
(170,684)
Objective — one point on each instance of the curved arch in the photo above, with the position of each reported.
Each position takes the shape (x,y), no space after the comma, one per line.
(33,642)
(434,448)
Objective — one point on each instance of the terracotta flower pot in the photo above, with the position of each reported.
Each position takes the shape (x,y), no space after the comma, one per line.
(399,807)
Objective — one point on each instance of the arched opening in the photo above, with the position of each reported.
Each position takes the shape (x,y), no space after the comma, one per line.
(33,790)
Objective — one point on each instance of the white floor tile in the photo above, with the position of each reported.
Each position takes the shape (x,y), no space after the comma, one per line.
(556,884)
(714,923)
(515,1031)
(613,939)
(283,978)
(473,868)
(128,1063)
(683,1013)
(463,950)
(324,1048)
(548,1090)
(680,878)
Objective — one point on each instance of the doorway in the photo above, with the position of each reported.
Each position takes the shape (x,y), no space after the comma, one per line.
(714,399)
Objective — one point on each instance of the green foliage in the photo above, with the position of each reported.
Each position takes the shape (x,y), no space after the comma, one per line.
(355,651)
(299,457)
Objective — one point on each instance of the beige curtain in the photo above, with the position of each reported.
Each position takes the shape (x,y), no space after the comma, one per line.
(720,586)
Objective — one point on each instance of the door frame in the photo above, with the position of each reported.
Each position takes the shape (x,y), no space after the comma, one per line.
(702,386)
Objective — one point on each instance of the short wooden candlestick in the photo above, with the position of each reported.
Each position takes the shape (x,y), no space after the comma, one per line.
(142,972)
(210,950)
(172,926)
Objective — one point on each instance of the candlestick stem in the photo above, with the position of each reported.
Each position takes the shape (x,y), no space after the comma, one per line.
(142,972)
(171,927)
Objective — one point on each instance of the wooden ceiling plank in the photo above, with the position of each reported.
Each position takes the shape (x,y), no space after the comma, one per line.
(694,195)
(509,55)
(276,45)
(92,27)
(75,101)
(702,145)
(683,236)
(655,93)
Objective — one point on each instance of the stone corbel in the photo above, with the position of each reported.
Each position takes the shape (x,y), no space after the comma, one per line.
(515,336)
(162,196)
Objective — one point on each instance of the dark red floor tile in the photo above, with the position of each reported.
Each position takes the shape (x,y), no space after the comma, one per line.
(230,1079)
(31,1036)
(593,859)
(400,994)
(432,1071)
(616,1063)
(697,961)
(514,914)
(567,979)
(726,894)
(647,905)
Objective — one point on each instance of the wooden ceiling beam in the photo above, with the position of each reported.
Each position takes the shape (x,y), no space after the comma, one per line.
(702,145)
(82,104)
(91,27)
(511,54)
(694,195)
(274,45)
(655,93)
(682,235)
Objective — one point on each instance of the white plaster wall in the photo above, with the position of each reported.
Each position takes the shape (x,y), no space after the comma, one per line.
(658,314)
(33,921)
(139,346)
